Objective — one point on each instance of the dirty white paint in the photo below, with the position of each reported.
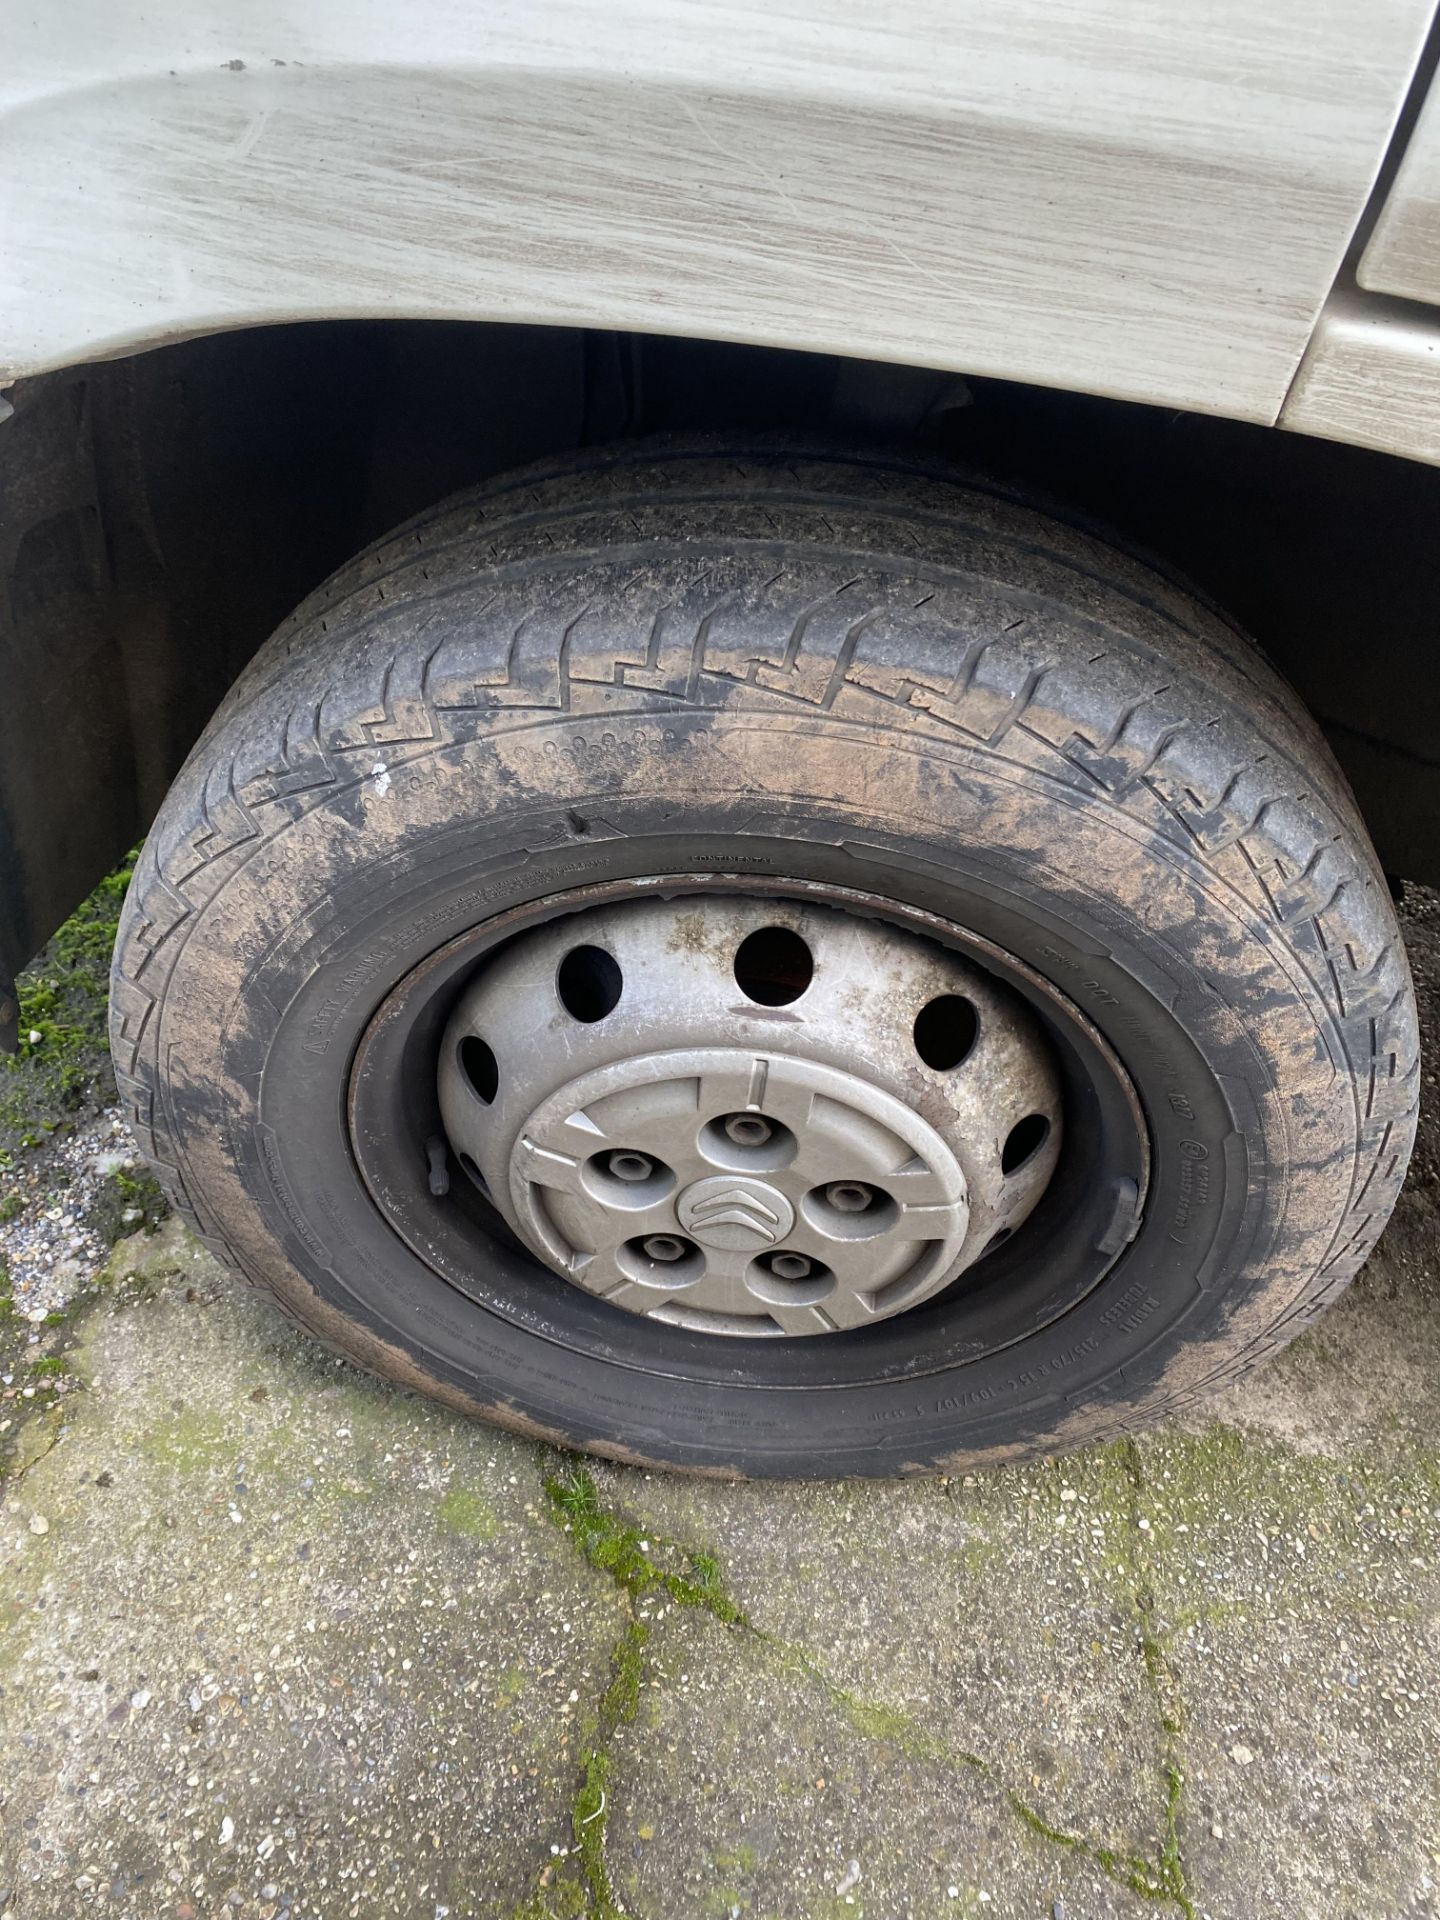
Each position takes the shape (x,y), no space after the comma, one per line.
(1403,254)
(1372,377)
(380,778)
(1128,196)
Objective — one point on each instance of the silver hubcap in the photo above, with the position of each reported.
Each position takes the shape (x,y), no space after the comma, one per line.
(749,1117)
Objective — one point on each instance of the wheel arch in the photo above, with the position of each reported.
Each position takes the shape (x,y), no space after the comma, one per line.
(160,514)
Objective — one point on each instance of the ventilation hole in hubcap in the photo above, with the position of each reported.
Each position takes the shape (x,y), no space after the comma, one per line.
(1023,1142)
(589,982)
(480,1067)
(945,1031)
(773,966)
(475,1174)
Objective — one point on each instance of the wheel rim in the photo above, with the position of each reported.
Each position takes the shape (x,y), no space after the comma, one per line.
(750,1118)
(1089,1212)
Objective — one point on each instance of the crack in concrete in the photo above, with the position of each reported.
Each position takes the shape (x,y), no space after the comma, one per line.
(579,1883)
(1164,1690)
(36,1425)
(636,1563)
(29,1453)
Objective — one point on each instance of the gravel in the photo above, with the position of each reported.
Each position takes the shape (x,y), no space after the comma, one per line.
(49,1247)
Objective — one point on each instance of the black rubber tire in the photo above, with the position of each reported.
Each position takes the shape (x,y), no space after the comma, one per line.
(794,665)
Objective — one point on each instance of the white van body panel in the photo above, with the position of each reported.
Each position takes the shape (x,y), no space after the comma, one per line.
(1128,197)
(1372,377)
(1403,254)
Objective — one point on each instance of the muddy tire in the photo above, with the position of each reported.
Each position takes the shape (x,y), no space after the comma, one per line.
(785,686)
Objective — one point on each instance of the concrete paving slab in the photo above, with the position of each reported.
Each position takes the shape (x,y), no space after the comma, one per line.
(286,1642)
(277,1641)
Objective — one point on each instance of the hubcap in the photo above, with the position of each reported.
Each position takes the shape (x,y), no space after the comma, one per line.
(749,1117)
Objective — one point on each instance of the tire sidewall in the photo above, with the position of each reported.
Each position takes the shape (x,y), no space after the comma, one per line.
(1210,1011)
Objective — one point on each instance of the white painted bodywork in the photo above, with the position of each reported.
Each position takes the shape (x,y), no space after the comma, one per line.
(1130,197)
(1371,376)
(1403,254)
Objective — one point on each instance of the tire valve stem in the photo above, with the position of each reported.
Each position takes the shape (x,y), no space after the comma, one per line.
(437,1152)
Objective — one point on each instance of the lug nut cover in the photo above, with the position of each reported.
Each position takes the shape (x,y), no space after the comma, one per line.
(775,1119)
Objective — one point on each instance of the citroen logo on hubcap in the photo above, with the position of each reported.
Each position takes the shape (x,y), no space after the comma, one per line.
(734,1214)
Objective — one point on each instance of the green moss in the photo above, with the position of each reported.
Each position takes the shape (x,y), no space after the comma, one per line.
(465,1512)
(615,1548)
(188,1441)
(580,1883)
(49,1367)
(741,1858)
(564,1900)
(511,1684)
(621,1699)
(34,1438)
(127,1201)
(589,1819)
(1172,1869)
(11,1207)
(643,1567)
(590,1811)
(63,1014)
(1163,1878)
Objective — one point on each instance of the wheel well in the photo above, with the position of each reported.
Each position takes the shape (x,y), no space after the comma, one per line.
(159,515)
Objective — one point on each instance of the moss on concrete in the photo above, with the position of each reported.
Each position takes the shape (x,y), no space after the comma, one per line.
(465,1511)
(129,1201)
(647,1566)
(634,1561)
(190,1441)
(645,1569)
(63,1064)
